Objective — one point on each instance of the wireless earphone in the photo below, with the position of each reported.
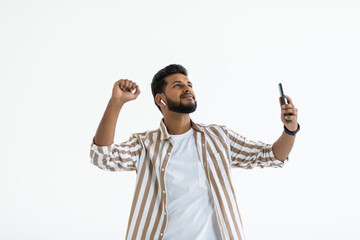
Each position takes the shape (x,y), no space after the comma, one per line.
(163,102)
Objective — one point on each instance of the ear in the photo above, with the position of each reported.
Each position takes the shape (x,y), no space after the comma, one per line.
(158,98)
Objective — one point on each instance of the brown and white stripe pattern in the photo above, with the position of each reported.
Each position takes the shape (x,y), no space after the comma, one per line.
(148,153)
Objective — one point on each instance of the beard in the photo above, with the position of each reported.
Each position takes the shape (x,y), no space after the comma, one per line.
(180,107)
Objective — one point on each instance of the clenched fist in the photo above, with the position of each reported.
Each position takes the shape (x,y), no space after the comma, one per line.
(123,90)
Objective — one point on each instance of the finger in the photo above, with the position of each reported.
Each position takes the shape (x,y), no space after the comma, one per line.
(127,83)
(137,92)
(133,86)
(130,86)
(289,99)
(118,82)
(287,106)
(291,117)
(292,111)
(122,84)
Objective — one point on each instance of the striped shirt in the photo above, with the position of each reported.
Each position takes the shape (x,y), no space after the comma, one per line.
(148,153)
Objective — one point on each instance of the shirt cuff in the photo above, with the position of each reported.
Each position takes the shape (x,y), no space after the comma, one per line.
(101,149)
(278,162)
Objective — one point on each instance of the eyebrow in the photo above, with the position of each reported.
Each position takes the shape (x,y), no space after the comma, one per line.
(180,82)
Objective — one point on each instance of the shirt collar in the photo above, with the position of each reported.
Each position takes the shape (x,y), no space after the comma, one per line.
(165,134)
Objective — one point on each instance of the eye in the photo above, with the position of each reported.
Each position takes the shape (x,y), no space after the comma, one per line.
(180,85)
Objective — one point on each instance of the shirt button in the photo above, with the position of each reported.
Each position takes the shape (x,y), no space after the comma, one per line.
(163,169)
(164,191)
(161,234)
(168,153)
(164,213)
(203,145)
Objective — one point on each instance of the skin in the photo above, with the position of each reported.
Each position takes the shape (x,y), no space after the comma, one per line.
(284,144)
(125,90)
(177,85)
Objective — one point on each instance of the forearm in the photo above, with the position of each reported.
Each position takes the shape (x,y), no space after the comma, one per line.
(106,130)
(283,146)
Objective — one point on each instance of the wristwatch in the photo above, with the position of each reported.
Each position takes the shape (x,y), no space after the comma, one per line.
(292,133)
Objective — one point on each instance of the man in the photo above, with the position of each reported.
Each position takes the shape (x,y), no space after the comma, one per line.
(183,186)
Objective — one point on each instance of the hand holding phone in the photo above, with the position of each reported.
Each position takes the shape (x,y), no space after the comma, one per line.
(283,101)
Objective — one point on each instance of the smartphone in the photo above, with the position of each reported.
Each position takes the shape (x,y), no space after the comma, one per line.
(283,100)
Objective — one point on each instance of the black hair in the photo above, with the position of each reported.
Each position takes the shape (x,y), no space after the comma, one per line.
(158,82)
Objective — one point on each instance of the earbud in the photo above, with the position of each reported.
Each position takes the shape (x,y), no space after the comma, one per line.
(163,102)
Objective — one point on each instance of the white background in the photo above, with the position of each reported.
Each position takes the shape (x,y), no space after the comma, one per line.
(60,59)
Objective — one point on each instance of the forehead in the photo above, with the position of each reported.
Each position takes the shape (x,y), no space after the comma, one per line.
(176,77)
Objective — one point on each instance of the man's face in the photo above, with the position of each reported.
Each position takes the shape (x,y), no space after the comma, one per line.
(179,94)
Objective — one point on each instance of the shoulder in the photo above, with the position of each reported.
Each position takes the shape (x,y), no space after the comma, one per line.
(215,129)
(146,134)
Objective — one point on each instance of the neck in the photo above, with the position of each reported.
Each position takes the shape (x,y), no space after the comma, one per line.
(177,123)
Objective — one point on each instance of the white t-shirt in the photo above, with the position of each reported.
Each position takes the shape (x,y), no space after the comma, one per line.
(190,207)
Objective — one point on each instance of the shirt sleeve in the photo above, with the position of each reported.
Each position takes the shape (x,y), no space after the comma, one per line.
(248,154)
(117,157)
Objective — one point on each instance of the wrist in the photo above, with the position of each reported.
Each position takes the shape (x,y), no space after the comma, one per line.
(116,102)
(292,133)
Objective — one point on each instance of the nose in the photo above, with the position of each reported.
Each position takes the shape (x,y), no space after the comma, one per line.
(188,89)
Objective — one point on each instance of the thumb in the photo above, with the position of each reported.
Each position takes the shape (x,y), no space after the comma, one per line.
(280,101)
(137,91)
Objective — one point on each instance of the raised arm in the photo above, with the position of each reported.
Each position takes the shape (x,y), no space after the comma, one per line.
(284,144)
(122,92)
